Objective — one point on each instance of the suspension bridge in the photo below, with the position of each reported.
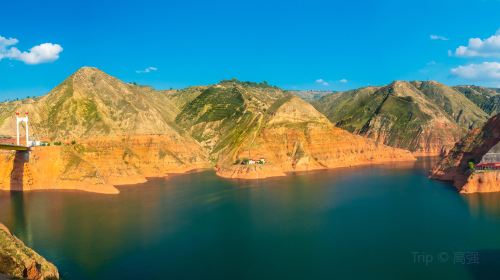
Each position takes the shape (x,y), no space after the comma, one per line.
(17,146)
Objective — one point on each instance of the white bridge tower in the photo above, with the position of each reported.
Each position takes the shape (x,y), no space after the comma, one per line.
(20,120)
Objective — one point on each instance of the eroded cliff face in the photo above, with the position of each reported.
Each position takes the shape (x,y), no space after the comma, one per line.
(482,182)
(454,167)
(99,164)
(17,261)
(298,138)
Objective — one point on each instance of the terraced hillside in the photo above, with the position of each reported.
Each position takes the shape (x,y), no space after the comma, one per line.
(423,117)
(221,116)
(487,99)
(183,96)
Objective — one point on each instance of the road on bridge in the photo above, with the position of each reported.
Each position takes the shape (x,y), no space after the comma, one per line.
(11,147)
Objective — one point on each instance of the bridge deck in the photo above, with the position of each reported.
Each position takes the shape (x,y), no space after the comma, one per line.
(13,147)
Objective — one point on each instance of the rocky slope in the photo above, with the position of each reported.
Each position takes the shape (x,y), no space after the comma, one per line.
(422,117)
(487,99)
(17,261)
(455,166)
(241,121)
(111,133)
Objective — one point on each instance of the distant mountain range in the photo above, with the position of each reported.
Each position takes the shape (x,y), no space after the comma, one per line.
(311,95)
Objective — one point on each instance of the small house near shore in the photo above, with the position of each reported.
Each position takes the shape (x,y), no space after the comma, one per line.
(253,161)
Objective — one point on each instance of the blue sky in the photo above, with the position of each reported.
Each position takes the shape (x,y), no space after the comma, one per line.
(331,45)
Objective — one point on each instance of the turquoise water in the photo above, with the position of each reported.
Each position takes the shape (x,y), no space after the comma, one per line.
(383,222)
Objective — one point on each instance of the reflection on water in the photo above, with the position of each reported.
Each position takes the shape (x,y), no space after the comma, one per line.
(484,204)
(344,223)
(18,216)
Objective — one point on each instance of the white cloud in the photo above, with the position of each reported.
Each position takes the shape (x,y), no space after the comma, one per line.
(486,71)
(147,70)
(477,47)
(4,42)
(43,53)
(322,82)
(438,37)
(344,81)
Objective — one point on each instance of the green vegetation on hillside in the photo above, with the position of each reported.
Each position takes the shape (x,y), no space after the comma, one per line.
(486,98)
(223,116)
(402,113)
(463,111)
(91,103)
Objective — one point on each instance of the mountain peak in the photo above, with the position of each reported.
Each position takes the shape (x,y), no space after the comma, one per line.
(397,83)
(89,76)
(400,86)
(88,70)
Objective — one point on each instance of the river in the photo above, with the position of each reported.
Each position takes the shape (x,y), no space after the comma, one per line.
(373,222)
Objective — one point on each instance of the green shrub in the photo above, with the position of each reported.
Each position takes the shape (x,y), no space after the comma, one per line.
(471,165)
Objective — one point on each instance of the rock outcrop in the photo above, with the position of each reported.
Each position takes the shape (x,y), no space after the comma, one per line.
(17,261)
(455,167)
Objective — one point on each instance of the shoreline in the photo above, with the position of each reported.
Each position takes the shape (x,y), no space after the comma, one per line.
(273,173)
(134,181)
(305,172)
(111,189)
(112,184)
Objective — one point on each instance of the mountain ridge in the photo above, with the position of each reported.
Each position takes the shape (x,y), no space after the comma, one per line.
(423,117)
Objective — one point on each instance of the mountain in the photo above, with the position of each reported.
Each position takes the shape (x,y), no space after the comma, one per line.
(423,117)
(455,167)
(224,114)
(239,121)
(91,103)
(487,99)
(464,112)
(102,132)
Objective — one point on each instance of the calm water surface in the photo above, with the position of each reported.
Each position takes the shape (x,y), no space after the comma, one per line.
(383,222)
